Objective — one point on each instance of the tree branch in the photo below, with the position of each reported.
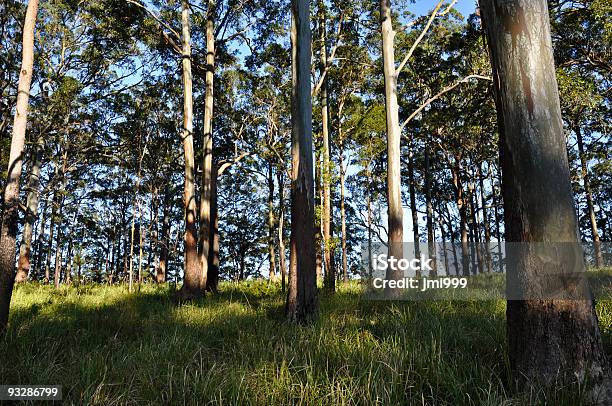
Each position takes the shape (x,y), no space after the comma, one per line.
(416,43)
(440,94)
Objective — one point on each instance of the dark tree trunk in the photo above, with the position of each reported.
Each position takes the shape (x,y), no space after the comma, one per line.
(39,241)
(475,230)
(548,340)
(23,265)
(164,240)
(431,235)
(451,231)
(212,280)
(463,218)
(281,223)
(485,221)
(599,262)
(498,235)
(444,236)
(271,223)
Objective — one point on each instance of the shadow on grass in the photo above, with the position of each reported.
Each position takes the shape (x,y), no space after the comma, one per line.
(106,346)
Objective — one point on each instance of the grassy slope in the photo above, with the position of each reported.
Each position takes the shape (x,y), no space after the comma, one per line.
(108,347)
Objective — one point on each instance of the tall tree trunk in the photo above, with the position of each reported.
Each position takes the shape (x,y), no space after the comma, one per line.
(370,219)
(193,273)
(394,181)
(413,207)
(463,218)
(431,234)
(207,164)
(23,265)
(589,198)
(548,340)
(153,233)
(318,232)
(474,229)
(443,236)
(60,219)
(141,237)
(343,215)
(271,223)
(49,252)
(281,223)
(451,231)
(10,213)
(39,240)
(498,235)
(326,170)
(132,236)
(302,298)
(58,247)
(212,281)
(485,221)
(164,240)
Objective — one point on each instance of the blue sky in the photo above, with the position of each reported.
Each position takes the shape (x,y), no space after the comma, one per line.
(421,7)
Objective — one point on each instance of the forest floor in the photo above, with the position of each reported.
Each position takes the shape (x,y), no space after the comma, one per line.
(106,346)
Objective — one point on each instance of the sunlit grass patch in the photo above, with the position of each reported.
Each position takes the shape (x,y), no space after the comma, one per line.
(107,346)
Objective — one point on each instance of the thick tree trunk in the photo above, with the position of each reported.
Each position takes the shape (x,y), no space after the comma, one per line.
(23,265)
(548,340)
(599,262)
(302,298)
(395,212)
(10,213)
(193,273)
(207,164)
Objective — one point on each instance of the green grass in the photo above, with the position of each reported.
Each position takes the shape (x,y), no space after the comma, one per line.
(108,347)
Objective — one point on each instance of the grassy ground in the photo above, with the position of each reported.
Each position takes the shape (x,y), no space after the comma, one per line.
(106,346)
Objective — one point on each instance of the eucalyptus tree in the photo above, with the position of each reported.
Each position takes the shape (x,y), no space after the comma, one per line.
(10,212)
(302,300)
(549,340)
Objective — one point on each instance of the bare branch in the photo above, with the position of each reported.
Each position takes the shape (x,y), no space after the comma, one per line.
(440,94)
(416,43)
(331,58)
